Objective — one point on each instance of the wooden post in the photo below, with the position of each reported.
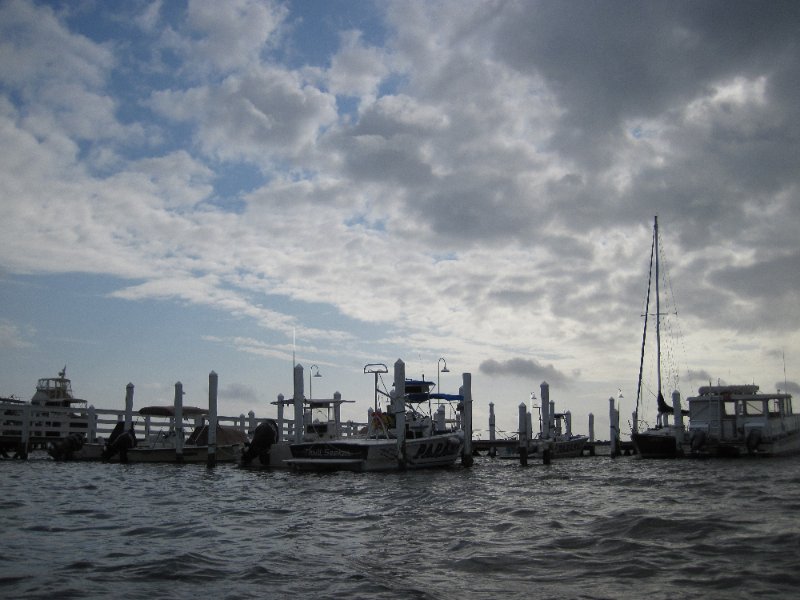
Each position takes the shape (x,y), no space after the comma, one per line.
(466,391)
(613,433)
(178,426)
(91,430)
(337,415)
(399,410)
(252,423)
(492,430)
(213,383)
(523,435)
(298,403)
(128,406)
(25,434)
(545,390)
(591,434)
(280,418)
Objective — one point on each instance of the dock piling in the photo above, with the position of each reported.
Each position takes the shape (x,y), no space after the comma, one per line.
(213,382)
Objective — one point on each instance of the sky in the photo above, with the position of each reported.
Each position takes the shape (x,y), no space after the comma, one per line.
(231,186)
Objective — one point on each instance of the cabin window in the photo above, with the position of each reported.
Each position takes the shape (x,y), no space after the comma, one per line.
(754,407)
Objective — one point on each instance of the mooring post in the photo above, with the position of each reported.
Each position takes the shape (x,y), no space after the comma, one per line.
(399,410)
(128,406)
(544,388)
(441,419)
(280,418)
(613,432)
(297,398)
(547,451)
(213,382)
(466,392)
(252,423)
(178,427)
(635,422)
(25,434)
(91,416)
(591,434)
(523,435)
(492,430)
(337,414)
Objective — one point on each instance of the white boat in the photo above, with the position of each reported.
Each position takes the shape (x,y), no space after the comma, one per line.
(404,437)
(737,420)
(665,439)
(165,444)
(50,426)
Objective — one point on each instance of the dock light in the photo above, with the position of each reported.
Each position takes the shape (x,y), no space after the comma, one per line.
(313,371)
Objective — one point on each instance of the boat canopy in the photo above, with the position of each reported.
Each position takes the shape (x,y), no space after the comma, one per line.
(169,411)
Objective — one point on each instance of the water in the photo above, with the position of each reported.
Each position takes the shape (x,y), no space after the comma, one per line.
(583,528)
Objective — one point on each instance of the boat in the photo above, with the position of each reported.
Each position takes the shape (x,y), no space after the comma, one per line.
(738,420)
(665,439)
(402,437)
(168,445)
(554,439)
(164,445)
(52,398)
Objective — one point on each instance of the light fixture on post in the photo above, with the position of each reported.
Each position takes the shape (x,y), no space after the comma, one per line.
(440,369)
(313,371)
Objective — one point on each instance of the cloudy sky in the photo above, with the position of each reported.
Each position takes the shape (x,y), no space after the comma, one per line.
(197,186)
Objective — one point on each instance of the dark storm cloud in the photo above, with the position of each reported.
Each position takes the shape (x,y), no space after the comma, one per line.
(612,60)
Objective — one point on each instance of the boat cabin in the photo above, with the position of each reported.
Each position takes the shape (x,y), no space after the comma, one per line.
(730,412)
(55,391)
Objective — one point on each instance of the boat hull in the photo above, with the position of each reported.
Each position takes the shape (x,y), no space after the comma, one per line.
(365,454)
(191,454)
(657,444)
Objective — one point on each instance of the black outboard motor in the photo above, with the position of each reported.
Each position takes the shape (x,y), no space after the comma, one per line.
(63,449)
(264,436)
(119,441)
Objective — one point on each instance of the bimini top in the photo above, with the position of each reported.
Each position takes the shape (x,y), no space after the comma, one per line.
(418,390)
(169,411)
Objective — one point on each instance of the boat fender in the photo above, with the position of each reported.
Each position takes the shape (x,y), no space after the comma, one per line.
(753,440)
(698,440)
(264,436)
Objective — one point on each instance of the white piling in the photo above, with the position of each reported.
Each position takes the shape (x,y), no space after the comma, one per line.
(128,406)
(466,392)
(545,391)
(492,430)
(676,411)
(298,403)
(568,419)
(92,425)
(280,417)
(213,383)
(613,429)
(178,426)
(441,419)
(399,410)
(337,414)
(523,435)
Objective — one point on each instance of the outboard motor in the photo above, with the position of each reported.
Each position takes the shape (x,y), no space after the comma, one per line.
(119,441)
(63,449)
(264,436)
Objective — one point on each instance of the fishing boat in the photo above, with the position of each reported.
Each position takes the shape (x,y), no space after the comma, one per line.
(738,420)
(665,439)
(168,444)
(403,437)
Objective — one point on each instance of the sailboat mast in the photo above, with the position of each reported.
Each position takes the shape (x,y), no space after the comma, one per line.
(658,312)
(646,316)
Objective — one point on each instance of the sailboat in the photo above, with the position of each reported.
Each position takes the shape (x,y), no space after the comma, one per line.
(664,440)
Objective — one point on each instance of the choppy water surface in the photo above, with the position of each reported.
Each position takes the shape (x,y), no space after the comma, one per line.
(583,528)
